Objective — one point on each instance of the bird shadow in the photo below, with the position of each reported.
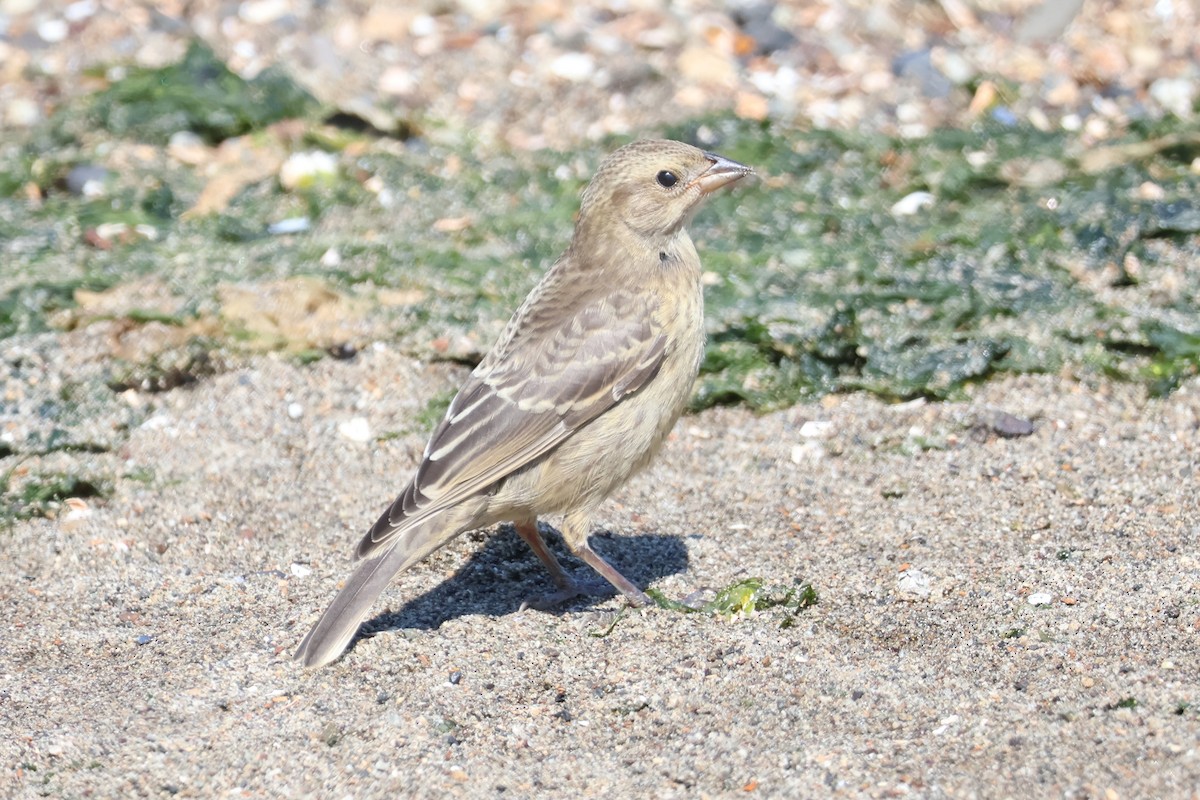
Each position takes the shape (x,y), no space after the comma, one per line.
(503,573)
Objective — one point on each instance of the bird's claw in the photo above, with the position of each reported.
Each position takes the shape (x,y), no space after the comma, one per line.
(568,591)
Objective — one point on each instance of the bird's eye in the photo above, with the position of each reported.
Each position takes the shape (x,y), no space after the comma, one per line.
(667,179)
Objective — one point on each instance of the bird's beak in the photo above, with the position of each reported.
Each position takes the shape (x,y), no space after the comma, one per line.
(722,172)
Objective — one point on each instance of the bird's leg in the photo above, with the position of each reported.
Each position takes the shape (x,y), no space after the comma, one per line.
(528,531)
(575,532)
(632,593)
(568,587)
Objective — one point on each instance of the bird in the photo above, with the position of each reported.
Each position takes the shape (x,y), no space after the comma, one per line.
(577,394)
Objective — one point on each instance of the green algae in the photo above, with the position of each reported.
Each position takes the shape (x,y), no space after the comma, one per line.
(746,597)
(1033,255)
(42,494)
(199,94)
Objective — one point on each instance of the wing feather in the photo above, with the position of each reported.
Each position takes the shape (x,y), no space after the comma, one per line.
(561,367)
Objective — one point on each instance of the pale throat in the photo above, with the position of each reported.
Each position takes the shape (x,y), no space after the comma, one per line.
(677,250)
(628,243)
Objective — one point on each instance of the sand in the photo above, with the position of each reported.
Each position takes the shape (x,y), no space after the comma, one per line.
(997,617)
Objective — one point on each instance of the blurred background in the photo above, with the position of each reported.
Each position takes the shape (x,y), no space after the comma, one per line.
(947,190)
(556,74)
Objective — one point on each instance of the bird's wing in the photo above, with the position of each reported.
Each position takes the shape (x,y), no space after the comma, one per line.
(563,365)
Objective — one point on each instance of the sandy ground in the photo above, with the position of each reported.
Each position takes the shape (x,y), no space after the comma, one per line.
(997,617)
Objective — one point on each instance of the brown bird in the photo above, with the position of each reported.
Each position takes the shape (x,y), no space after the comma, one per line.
(578,394)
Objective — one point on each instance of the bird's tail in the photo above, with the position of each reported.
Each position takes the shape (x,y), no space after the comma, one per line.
(337,626)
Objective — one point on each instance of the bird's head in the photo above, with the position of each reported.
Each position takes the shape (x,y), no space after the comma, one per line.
(654,186)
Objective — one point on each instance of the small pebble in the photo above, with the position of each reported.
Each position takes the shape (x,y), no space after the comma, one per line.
(574,67)
(302,170)
(289,225)
(295,410)
(87,180)
(951,64)
(17,7)
(80,10)
(187,147)
(263,12)
(423,25)
(945,724)
(21,112)
(53,31)
(1005,116)
(398,81)
(913,584)
(807,452)
(1177,95)
(918,67)
(356,429)
(1149,190)
(817,429)
(912,203)
(77,510)
(1008,425)
(757,21)
(978,158)
(1040,599)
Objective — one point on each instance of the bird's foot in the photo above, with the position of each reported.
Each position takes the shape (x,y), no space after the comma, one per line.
(573,589)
